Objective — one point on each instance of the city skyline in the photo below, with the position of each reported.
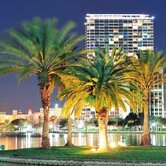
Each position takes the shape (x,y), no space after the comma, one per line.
(26,95)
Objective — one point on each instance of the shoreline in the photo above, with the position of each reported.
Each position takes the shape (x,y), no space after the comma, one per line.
(24,134)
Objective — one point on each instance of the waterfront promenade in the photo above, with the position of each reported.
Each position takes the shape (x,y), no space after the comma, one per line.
(65,162)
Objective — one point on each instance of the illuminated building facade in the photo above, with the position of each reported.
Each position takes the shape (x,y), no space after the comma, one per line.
(87,113)
(33,117)
(132,32)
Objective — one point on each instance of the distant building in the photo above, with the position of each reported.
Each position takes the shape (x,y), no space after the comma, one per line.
(2,116)
(55,111)
(87,113)
(19,115)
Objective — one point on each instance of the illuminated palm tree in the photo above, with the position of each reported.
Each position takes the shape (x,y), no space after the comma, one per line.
(99,82)
(39,48)
(149,73)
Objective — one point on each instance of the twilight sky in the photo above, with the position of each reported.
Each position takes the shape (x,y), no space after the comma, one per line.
(12,12)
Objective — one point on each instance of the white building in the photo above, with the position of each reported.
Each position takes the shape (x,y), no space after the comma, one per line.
(87,113)
(55,111)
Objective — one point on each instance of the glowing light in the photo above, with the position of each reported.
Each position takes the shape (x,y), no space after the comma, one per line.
(113,145)
(153,139)
(29,128)
(28,140)
(16,143)
(91,139)
(80,125)
(56,137)
(51,139)
(121,144)
(51,126)
(93,150)
(79,139)
(153,17)
(65,137)
(153,124)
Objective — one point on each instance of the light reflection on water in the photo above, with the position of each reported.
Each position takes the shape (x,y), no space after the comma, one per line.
(89,139)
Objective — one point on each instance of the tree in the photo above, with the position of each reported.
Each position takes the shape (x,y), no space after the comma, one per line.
(53,120)
(20,123)
(149,66)
(37,127)
(63,123)
(39,48)
(130,118)
(115,121)
(69,132)
(94,122)
(156,122)
(111,123)
(100,82)
(164,121)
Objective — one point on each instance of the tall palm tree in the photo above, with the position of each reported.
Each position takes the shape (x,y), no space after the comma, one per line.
(149,73)
(39,48)
(69,132)
(99,82)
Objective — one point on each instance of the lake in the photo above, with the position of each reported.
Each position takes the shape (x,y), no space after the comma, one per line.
(90,139)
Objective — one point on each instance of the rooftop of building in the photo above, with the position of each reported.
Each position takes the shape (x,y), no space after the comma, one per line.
(119,16)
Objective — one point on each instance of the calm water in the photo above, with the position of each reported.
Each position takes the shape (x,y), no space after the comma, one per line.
(79,139)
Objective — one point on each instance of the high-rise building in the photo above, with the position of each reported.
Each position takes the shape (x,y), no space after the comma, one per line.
(132,32)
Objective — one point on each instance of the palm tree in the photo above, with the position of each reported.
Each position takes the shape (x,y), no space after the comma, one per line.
(99,82)
(39,48)
(149,73)
(69,132)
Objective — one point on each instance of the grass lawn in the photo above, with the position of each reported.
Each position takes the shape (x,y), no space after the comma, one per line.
(130,153)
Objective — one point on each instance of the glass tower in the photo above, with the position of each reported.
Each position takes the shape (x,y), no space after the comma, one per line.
(132,32)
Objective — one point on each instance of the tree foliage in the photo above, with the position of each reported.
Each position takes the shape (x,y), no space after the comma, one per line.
(100,82)
(149,73)
(39,48)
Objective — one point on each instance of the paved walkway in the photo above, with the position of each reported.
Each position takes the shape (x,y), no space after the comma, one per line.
(65,162)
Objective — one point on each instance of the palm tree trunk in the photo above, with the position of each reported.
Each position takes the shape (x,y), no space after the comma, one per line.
(145,140)
(69,132)
(45,98)
(103,136)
